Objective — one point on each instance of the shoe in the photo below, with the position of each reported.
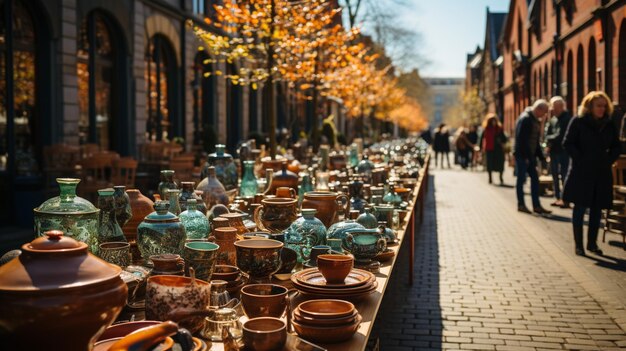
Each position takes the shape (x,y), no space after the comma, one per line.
(580,251)
(541,210)
(578,240)
(557,203)
(565,205)
(596,251)
(523,209)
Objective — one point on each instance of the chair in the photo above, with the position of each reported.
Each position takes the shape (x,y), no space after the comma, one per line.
(88,150)
(124,171)
(615,218)
(183,167)
(95,172)
(59,160)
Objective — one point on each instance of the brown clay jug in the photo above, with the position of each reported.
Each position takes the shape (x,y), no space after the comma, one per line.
(327,204)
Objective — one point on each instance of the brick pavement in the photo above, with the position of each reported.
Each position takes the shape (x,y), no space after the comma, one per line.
(490,278)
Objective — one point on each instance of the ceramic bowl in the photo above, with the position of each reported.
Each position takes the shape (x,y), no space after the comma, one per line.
(335,268)
(326,308)
(324,322)
(327,335)
(259,258)
(264,300)
(225,272)
(264,334)
(288,260)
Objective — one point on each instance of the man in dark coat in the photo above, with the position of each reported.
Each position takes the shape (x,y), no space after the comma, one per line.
(527,150)
(559,159)
(592,141)
(441,144)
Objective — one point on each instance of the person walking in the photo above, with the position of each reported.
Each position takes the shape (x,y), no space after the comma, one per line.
(472,136)
(592,141)
(527,150)
(492,142)
(463,148)
(441,144)
(555,129)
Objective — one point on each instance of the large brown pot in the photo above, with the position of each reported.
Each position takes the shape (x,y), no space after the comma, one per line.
(283,178)
(327,203)
(276,214)
(57,296)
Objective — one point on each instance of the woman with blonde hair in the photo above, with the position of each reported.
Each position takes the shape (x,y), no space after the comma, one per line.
(492,142)
(592,141)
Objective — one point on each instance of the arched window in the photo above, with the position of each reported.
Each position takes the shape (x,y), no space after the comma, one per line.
(161,78)
(591,68)
(580,75)
(203,85)
(95,68)
(234,98)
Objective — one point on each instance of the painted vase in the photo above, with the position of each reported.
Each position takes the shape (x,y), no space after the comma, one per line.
(123,212)
(213,192)
(195,222)
(161,232)
(304,233)
(187,191)
(108,228)
(225,167)
(167,182)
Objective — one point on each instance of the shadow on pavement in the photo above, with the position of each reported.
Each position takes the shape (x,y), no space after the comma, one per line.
(410,316)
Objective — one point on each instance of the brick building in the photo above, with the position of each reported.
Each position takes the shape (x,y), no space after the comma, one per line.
(445,95)
(559,47)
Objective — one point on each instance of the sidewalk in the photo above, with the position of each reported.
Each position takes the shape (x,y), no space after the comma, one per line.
(490,278)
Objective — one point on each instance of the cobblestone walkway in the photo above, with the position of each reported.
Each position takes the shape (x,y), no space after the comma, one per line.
(487,278)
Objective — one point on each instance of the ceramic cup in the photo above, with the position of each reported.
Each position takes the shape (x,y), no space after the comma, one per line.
(335,268)
(166,293)
(335,245)
(264,300)
(167,264)
(264,334)
(202,257)
(116,252)
(287,192)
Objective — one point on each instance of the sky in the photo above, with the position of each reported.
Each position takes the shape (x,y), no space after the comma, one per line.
(449,30)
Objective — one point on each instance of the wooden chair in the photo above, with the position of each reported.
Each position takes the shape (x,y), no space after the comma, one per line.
(95,172)
(153,153)
(183,167)
(124,172)
(88,150)
(615,218)
(59,160)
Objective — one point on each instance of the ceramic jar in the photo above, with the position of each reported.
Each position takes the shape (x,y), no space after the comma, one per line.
(225,237)
(140,206)
(365,244)
(274,164)
(172,198)
(305,186)
(167,264)
(340,229)
(167,182)
(275,214)
(367,219)
(235,220)
(259,258)
(357,201)
(225,167)
(123,212)
(187,191)
(213,192)
(392,198)
(365,168)
(75,216)
(304,233)
(108,228)
(283,178)
(195,222)
(327,204)
(249,186)
(57,295)
(161,232)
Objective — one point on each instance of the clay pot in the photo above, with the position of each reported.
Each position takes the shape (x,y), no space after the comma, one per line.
(264,300)
(283,178)
(167,264)
(327,204)
(140,206)
(286,192)
(274,164)
(276,214)
(235,220)
(225,237)
(335,268)
(56,295)
(264,334)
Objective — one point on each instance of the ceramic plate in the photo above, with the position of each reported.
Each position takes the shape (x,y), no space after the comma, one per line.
(314,278)
(349,297)
(337,292)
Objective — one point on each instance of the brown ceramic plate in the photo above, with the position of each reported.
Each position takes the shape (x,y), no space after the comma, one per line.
(385,255)
(316,321)
(340,291)
(334,294)
(327,335)
(313,277)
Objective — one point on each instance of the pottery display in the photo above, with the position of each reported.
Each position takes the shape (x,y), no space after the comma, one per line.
(57,279)
(202,256)
(384,213)
(108,228)
(140,206)
(340,229)
(275,164)
(264,334)
(225,237)
(249,185)
(195,222)
(286,192)
(357,201)
(305,186)
(365,244)
(365,168)
(335,268)
(367,219)
(338,161)
(161,232)
(264,300)
(353,156)
(288,260)
(123,211)
(213,192)
(275,214)
(167,182)
(220,319)
(74,216)
(283,178)
(187,191)
(225,167)
(304,233)
(392,198)
(327,204)
(259,258)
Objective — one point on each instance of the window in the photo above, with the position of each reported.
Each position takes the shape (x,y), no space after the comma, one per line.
(204,102)
(198,7)
(438,117)
(160,75)
(438,99)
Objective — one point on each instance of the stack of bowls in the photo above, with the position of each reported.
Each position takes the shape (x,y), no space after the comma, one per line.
(232,275)
(326,321)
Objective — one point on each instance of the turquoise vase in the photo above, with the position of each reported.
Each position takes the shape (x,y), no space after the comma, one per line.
(354,156)
(392,198)
(304,233)
(123,212)
(108,228)
(249,186)
(167,182)
(161,232)
(367,219)
(305,187)
(173,198)
(225,167)
(195,222)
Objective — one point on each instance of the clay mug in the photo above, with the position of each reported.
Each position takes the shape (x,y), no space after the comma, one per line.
(276,214)
(202,257)
(264,300)
(286,192)
(167,264)
(264,334)
(116,252)
(335,268)
(167,293)
(327,204)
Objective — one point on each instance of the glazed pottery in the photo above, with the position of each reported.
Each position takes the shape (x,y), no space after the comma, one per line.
(249,186)
(327,335)
(335,268)
(275,214)
(172,197)
(354,156)
(166,293)
(328,322)
(316,251)
(187,191)
(202,257)
(140,206)
(123,211)
(195,222)
(219,222)
(160,232)
(225,167)
(264,300)
(283,178)
(223,317)
(405,193)
(286,192)
(327,205)
(392,198)
(384,213)
(357,202)
(264,334)
(288,260)
(304,233)
(73,215)
(213,192)
(167,182)
(367,219)
(335,245)
(225,237)
(57,292)
(365,168)
(215,212)
(365,244)
(167,264)
(235,220)
(116,252)
(259,258)
(340,229)
(305,186)
(225,272)
(108,228)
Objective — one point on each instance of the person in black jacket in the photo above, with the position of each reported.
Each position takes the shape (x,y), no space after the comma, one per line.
(592,141)
(527,150)
(559,159)
(441,145)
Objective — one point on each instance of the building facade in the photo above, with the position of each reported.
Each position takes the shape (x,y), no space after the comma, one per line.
(445,94)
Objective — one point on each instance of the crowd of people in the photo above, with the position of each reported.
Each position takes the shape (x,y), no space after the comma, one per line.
(580,151)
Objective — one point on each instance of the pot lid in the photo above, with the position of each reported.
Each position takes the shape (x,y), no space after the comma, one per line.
(54,262)
(161,213)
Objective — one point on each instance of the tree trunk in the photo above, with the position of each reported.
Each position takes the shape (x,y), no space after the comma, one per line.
(271,109)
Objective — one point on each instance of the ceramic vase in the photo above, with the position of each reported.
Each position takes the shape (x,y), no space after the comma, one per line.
(161,232)
(123,212)
(213,192)
(187,191)
(167,182)
(195,222)
(304,233)
(249,186)
(225,167)
(108,228)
